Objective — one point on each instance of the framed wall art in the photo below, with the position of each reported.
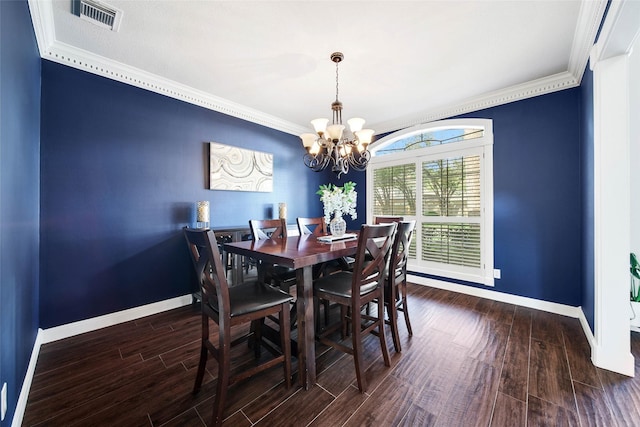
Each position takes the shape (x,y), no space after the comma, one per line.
(239,169)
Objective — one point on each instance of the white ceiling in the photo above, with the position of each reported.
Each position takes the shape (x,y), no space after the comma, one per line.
(406,62)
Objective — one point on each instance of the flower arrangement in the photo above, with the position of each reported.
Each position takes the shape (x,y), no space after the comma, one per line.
(338,200)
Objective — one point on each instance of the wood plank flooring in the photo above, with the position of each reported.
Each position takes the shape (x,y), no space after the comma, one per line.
(471,362)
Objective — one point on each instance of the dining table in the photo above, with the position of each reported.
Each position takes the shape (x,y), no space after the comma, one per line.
(300,253)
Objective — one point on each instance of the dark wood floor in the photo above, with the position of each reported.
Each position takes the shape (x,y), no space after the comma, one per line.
(471,362)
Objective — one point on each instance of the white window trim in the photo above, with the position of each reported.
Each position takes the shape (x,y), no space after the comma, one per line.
(483,145)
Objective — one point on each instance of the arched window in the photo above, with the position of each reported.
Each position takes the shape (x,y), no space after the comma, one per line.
(441,175)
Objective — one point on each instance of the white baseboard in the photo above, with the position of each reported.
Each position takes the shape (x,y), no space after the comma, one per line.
(552,307)
(88,325)
(587,330)
(21,406)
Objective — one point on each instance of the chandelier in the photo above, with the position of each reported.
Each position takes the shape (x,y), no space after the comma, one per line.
(333,144)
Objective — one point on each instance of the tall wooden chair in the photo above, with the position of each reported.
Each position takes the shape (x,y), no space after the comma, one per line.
(316,226)
(354,290)
(264,229)
(395,297)
(386,219)
(229,306)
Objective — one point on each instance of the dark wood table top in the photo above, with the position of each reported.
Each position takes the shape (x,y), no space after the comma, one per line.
(295,252)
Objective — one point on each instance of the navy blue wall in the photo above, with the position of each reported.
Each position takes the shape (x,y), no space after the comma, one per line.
(537,197)
(118,165)
(586,171)
(121,171)
(19,195)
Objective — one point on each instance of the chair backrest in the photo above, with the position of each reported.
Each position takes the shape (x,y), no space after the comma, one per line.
(319,223)
(400,249)
(263,229)
(386,219)
(370,272)
(209,270)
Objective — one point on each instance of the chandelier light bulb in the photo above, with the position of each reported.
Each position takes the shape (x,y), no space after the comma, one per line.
(308,139)
(335,132)
(365,136)
(315,148)
(320,125)
(356,124)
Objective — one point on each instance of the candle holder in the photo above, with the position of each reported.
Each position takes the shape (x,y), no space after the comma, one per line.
(282,210)
(203,215)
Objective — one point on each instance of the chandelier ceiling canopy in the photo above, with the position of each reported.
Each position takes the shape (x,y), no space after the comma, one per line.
(333,144)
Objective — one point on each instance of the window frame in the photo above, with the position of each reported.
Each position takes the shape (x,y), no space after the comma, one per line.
(484,147)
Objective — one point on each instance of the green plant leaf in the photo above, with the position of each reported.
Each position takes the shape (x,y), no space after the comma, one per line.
(635,266)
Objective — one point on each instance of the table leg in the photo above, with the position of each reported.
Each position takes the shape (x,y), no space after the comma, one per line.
(237,275)
(306,332)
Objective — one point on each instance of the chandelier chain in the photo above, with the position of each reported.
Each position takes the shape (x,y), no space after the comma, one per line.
(337,81)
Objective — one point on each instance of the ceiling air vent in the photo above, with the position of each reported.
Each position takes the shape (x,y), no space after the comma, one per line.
(100,14)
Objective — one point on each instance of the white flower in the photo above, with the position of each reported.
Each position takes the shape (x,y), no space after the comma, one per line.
(338,200)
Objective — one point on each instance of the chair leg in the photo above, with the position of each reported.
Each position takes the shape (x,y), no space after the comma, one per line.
(316,313)
(344,320)
(383,341)
(326,312)
(405,309)
(392,311)
(285,340)
(204,352)
(356,339)
(257,343)
(224,366)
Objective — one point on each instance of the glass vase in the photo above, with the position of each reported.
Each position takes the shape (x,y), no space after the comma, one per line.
(338,226)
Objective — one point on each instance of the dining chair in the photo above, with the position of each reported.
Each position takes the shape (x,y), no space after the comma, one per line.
(386,219)
(395,297)
(227,261)
(265,229)
(229,306)
(316,226)
(355,290)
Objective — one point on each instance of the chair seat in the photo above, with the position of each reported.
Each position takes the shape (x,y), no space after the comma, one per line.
(253,296)
(339,284)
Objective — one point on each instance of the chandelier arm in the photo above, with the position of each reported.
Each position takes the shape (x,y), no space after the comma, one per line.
(361,161)
(316,163)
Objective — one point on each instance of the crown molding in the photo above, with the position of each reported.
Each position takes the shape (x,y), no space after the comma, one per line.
(619,31)
(589,19)
(545,85)
(43,24)
(42,19)
(95,64)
